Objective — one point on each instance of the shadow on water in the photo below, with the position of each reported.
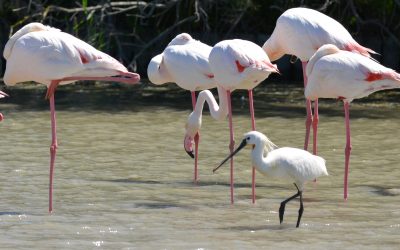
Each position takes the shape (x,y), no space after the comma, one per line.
(2,213)
(276,227)
(384,191)
(271,99)
(190,183)
(161,205)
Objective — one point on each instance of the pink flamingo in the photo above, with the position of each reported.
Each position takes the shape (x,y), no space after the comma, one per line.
(2,95)
(343,75)
(239,64)
(185,62)
(300,32)
(46,55)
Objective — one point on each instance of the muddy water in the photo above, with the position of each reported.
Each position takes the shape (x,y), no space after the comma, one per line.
(123,181)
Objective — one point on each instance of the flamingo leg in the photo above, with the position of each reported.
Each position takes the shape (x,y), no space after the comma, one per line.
(232,139)
(53,146)
(315,126)
(196,143)
(347,150)
(308,109)
(253,127)
(283,205)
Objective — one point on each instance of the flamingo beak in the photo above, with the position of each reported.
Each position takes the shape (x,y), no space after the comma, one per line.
(3,94)
(187,145)
(242,145)
(190,153)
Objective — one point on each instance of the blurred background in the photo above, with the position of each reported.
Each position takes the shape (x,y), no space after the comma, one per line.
(135,31)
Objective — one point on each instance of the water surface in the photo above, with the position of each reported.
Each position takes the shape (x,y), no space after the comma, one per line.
(123,180)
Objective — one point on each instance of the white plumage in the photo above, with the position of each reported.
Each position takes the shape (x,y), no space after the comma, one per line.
(291,164)
(185,62)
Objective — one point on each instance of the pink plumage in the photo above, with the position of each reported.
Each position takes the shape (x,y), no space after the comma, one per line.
(334,73)
(46,55)
(301,32)
(239,64)
(55,55)
(2,95)
(185,62)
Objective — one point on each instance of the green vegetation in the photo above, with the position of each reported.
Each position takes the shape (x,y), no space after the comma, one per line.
(134,31)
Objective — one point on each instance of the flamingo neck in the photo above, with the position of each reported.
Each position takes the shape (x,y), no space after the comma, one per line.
(327,49)
(218,112)
(272,48)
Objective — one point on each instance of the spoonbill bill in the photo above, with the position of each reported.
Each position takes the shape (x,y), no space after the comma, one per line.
(185,62)
(287,163)
(343,75)
(300,32)
(239,64)
(46,55)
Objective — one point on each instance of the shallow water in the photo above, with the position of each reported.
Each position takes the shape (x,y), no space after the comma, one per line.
(123,180)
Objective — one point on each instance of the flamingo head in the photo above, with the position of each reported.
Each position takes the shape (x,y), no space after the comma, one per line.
(157,72)
(181,39)
(192,128)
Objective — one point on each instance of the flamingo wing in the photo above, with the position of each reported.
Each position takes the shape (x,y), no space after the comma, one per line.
(188,65)
(53,55)
(347,75)
(301,31)
(240,64)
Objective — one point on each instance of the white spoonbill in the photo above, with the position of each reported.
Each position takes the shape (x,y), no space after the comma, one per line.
(239,64)
(300,32)
(46,55)
(2,95)
(343,75)
(292,164)
(185,62)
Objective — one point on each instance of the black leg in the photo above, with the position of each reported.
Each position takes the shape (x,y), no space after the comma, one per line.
(301,209)
(283,204)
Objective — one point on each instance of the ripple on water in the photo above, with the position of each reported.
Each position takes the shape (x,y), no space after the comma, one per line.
(123,180)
